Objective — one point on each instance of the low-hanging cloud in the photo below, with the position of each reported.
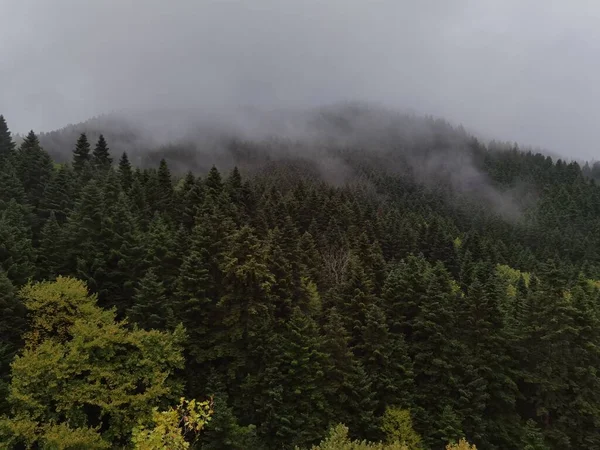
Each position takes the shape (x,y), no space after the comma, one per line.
(510,69)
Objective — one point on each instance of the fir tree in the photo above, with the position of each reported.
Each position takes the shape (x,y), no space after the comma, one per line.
(150,308)
(34,168)
(125,172)
(81,154)
(17,255)
(51,255)
(101,159)
(59,195)
(12,326)
(7,145)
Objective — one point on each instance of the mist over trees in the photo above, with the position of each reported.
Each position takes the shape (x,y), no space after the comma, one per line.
(385,272)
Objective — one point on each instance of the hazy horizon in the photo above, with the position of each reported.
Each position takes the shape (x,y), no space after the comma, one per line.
(507,70)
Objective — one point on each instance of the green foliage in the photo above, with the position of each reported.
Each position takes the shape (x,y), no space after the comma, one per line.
(172,429)
(7,145)
(82,369)
(81,154)
(305,304)
(398,427)
(101,159)
(338,440)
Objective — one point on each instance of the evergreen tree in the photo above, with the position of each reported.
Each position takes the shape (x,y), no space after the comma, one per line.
(59,195)
(7,145)
(81,154)
(289,394)
(51,259)
(34,168)
(10,184)
(165,193)
(150,308)
(12,326)
(125,172)
(386,361)
(350,392)
(101,159)
(17,256)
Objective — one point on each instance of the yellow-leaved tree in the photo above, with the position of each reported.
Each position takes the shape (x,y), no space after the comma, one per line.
(461,445)
(338,439)
(85,380)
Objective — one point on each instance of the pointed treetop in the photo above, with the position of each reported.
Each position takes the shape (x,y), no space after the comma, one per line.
(7,145)
(81,154)
(30,141)
(101,155)
(125,171)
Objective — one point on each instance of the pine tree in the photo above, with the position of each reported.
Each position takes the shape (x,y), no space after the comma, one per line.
(7,145)
(81,154)
(101,159)
(160,251)
(224,431)
(196,298)
(17,256)
(434,346)
(34,168)
(404,293)
(139,204)
(10,184)
(125,172)
(12,326)
(213,183)
(386,361)
(350,395)
(165,193)
(150,309)
(192,199)
(84,231)
(122,256)
(59,195)
(289,394)
(245,305)
(51,259)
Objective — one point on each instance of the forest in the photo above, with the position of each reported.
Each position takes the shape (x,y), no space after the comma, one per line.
(441,291)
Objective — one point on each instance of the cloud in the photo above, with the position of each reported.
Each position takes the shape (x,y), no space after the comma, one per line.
(510,69)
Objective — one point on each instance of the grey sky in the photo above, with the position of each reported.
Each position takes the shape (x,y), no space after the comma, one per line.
(511,69)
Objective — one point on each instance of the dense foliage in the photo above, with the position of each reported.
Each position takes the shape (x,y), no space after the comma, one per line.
(397,305)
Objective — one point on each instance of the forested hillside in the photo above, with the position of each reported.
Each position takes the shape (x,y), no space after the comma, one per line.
(410,283)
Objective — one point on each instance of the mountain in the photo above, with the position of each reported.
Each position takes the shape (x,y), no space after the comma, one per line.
(351,265)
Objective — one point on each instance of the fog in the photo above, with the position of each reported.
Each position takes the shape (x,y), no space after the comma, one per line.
(514,70)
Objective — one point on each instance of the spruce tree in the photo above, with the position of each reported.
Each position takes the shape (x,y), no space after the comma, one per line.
(387,363)
(34,168)
(151,309)
(7,145)
(12,326)
(59,195)
(10,184)
(17,255)
(84,231)
(165,193)
(51,259)
(161,251)
(350,392)
(245,305)
(125,172)
(122,255)
(81,154)
(289,394)
(101,159)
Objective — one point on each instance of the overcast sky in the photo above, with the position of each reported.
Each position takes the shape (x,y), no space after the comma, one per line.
(512,69)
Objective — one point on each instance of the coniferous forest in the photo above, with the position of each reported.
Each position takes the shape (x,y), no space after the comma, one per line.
(443,289)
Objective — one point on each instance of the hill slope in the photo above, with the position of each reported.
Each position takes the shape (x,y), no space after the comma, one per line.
(359,260)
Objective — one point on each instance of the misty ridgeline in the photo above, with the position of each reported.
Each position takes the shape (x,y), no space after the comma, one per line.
(345,277)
